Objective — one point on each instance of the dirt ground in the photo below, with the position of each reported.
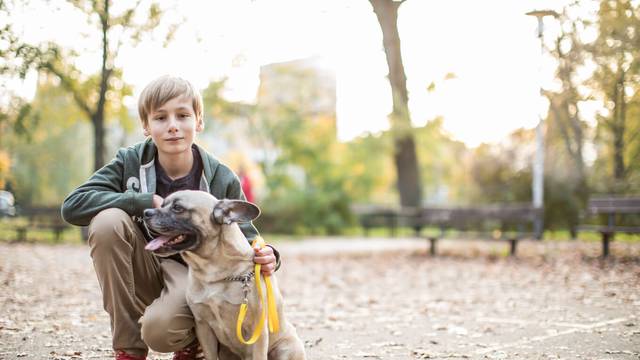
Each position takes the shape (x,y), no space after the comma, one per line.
(371,299)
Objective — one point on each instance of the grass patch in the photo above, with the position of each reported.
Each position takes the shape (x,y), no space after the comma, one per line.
(71,235)
(565,235)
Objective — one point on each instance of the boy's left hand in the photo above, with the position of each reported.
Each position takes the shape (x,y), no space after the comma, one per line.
(266,258)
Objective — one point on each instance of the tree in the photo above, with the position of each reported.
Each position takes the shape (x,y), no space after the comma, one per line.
(569,53)
(500,173)
(405,157)
(37,176)
(217,108)
(442,162)
(567,131)
(616,55)
(96,95)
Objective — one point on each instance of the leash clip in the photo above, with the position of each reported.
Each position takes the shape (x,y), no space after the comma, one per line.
(246,288)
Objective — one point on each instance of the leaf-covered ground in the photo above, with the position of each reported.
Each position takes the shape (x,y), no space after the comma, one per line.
(371,299)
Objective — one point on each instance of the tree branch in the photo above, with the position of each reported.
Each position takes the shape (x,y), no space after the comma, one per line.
(68,84)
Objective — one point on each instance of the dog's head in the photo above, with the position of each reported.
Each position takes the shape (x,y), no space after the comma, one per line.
(188,217)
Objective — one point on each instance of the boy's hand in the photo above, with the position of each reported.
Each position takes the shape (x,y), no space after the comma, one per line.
(266,258)
(157,201)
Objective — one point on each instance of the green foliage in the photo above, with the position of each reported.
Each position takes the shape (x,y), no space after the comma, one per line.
(616,53)
(15,117)
(97,95)
(306,182)
(604,69)
(502,173)
(368,163)
(218,108)
(442,164)
(40,169)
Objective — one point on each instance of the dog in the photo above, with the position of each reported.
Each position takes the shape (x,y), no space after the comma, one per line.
(205,232)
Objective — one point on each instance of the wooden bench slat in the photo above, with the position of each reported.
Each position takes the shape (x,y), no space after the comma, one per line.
(610,229)
(504,222)
(39,218)
(612,206)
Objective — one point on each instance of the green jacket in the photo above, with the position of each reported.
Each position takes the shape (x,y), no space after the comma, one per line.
(128,182)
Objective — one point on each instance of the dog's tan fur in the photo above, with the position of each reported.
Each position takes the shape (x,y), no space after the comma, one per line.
(223,251)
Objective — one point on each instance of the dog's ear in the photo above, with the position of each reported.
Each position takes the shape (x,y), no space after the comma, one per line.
(228,211)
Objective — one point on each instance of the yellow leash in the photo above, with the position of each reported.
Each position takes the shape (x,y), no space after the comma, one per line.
(269,307)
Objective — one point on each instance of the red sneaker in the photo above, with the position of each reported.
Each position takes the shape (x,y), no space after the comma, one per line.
(121,355)
(193,351)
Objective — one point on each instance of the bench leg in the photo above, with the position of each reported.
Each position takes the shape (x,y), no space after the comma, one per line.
(606,239)
(21,234)
(58,234)
(417,230)
(432,246)
(512,247)
(393,227)
(84,233)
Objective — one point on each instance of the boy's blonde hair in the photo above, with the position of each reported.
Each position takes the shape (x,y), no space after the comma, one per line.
(163,89)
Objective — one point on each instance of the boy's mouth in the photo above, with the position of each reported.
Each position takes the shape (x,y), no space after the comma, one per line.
(174,139)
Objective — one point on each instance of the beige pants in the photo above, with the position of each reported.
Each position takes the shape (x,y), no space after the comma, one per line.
(144,295)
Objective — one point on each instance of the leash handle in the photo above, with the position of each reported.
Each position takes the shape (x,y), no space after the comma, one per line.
(270,309)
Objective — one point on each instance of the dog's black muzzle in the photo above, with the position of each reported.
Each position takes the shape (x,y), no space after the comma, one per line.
(148,214)
(171,236)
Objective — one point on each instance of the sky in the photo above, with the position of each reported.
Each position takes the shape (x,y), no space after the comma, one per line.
(490,47)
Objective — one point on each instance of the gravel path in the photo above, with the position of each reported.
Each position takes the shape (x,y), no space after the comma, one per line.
(371,299)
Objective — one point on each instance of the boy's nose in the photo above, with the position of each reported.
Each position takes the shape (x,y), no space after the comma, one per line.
(173,122)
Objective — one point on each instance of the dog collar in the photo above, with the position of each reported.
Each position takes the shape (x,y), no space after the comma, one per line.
(245,278)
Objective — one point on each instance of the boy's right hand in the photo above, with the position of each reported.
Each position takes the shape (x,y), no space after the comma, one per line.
(157,201)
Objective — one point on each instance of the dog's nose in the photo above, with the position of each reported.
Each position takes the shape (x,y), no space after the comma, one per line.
(147,213)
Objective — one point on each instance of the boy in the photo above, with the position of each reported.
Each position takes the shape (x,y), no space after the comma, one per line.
(145,295)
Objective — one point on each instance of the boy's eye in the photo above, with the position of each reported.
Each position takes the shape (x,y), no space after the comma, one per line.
(159,118)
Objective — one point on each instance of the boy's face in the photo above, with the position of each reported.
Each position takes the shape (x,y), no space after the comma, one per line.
(173,126)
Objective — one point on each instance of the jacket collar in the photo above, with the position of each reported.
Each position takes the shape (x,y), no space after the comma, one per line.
(147,153)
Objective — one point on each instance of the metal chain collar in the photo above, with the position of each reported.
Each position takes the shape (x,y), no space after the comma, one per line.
(245,279)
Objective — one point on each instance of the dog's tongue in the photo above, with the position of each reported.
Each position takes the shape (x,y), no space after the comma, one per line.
(157,243)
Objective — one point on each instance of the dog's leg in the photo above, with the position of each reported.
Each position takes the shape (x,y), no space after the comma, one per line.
(208,340)
(289,347)
(224,353)
(261,347)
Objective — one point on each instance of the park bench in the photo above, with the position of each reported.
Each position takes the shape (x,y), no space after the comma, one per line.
(612,211)
(38,218)
(500,222)
(497,222)
(371,216)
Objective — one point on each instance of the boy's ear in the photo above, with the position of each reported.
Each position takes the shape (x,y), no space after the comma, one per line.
(145,130)
(200,125)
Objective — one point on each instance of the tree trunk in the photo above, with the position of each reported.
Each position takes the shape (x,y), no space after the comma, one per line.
(98,135)
(98,117)
(405,158)
(619,129)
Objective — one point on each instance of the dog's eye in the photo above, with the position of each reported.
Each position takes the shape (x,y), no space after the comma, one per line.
(177,208)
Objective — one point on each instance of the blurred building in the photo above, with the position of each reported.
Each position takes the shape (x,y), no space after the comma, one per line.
(307,85)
